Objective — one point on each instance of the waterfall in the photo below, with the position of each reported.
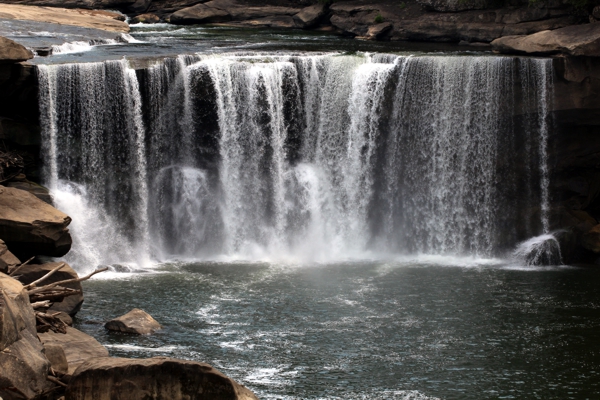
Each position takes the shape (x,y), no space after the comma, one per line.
(310,157)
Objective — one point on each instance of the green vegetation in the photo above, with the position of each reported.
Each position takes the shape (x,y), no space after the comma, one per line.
(402,5)
(378,19)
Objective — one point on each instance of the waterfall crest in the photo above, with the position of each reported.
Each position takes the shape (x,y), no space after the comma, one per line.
(314,157)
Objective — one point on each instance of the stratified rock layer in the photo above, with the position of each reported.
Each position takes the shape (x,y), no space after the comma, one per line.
(31,227)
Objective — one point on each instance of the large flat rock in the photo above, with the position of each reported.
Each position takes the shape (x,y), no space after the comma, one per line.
(32,227)
(63,16)
(576,40)
(160,378)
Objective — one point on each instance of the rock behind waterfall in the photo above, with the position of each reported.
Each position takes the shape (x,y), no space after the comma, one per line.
(31,227)
(159,378)
(135,321)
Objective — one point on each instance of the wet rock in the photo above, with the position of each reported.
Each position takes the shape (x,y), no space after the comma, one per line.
(11,52)
(591,239)
(8,260)
(310,16)
(58,360)
(23,366)
(576,40)
(77,346)
(32,272)
(135,321)
(145,19)
(31,227)
(156,378)
(454,5)
(199,14)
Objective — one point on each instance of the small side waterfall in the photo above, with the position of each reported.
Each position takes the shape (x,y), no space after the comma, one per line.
(316,157)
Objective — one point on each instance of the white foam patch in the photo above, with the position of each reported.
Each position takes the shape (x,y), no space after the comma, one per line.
(72,47)
(133,348)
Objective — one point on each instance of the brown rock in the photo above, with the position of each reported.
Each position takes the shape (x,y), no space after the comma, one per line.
(78,346)
(58,360)
(378,31)
(145,19)
(591,239)
(153,378)
(23,366)
(454,5)
(37,190)
(11,52)
(32,227)
(135,321)
(7,259)
(32,272)
(310,16)
(576,40)
(199,14)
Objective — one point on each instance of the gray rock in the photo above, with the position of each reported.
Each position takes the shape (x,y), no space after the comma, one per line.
(577,40)
(454,5)
(32,227)
(11,52)
(58,360)
(71,304)
(199,14)
(23,366)
(154,378)
(140,6)
(310,16)
(596,12)
(135,321)
(77,346)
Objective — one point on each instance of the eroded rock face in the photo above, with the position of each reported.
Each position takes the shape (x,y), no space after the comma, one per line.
(32,272)
(31,227)
(576,40)
(77,346)
(23,366)
(159,378)
(11,52)
(230,10)
(310,16)
(135,321)
(199,14)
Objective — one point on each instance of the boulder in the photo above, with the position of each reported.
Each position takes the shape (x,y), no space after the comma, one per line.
(596,12)
(199,14)
(23,366)
(576,40)
(145,19)
(140,6)
(135,321)
(160,378)
(378,31)
(31,227)
(71,304)
(77,346)
(310,16)
(7,259)
(11,52)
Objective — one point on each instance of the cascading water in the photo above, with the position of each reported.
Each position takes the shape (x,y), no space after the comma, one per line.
(307,157)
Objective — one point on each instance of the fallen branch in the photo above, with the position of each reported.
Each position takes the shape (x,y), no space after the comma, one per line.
(49,322)
(14,271)
(41,304)
(43,278)
(54,295)
(56,381)
(51,285)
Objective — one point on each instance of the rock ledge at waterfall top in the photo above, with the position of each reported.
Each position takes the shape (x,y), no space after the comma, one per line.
(11,51)
(577,40)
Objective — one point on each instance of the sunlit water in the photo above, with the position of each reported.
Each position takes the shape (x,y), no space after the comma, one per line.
(417,329)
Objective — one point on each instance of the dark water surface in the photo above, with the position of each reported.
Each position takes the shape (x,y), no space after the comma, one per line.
(368,330)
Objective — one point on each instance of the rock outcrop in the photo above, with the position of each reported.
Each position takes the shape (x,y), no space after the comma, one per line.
(11,52)
(78,347)
(145,19)
(153,378)
(310,16)
(7,259)
(23,366)
(577,40)
(65,16)
(135,321)
(31,227)
(71,304)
